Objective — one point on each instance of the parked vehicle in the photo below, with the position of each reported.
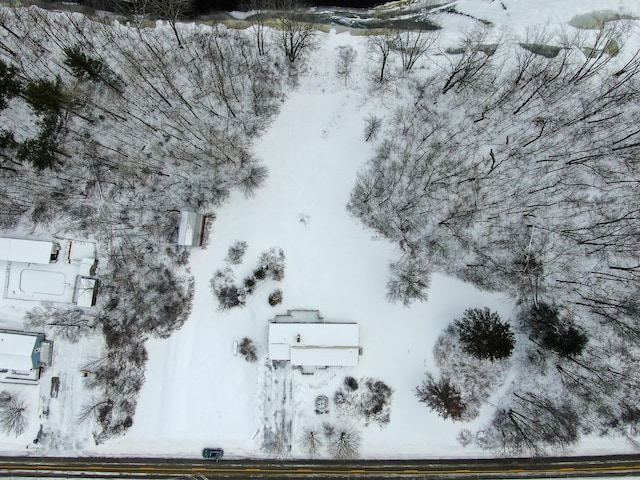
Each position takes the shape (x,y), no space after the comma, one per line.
(212,453)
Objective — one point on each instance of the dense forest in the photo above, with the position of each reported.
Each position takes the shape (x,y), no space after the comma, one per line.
(514,167)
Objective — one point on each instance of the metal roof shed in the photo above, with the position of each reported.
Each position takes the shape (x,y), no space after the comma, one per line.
(191,229)
(86,291)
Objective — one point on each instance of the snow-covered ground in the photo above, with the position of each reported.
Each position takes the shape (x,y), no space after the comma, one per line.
(197,393)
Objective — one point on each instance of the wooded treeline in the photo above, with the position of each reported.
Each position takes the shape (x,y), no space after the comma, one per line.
(108,131)
(515,167)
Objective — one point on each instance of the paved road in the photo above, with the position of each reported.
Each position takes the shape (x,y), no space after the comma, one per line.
(157,468)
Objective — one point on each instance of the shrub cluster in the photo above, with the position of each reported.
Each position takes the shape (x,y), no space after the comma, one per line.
(236,252)
(275,297)
(372,403)
(223,284)
(248,350)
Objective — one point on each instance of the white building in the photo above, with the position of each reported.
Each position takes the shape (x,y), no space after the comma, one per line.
(85,291)
(22,354)
(191,229)
(50,271)
(28,251)
(315,344)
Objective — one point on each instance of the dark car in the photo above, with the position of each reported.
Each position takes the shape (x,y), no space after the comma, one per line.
(212,453)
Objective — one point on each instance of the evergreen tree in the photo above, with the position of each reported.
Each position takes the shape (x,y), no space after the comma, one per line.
(43,151)
(10,85)
(40,152)
(81,65)
(45,96)
(484,335)
(84,67)
(553,332)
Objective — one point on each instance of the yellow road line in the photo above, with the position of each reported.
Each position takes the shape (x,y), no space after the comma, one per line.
(324,470)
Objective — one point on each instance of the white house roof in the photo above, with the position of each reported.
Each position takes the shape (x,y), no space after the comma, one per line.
(27,251)
(190,229)
(325,356)
(319,344)
(279,351)
(16,351)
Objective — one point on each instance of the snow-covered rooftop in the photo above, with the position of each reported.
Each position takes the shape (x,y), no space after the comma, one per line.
(85,291)
(27,251)
(50,281)
(190,230)
(16,351)
(324,356)
(315,344)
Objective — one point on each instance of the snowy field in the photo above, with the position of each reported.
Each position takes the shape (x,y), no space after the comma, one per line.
(332,264)
(198,392)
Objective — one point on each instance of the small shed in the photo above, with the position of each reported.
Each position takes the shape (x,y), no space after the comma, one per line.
(20,355)
(315,344)
(191,229)
(86,290)
(28,251)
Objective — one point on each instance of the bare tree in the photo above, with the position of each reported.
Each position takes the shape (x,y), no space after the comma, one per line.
(91,409)
(272,261)
(311,441)
(13,411)
(380,46)
(139,10)
(68,323)
(259,14)
(344,63)
(248,350)
(443,397)
(294,32)
(371,128)
(413,45)
(345,443)
(533,422)
(172,10)
(251,178)
(475,57)
(409,281)
(599,51)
